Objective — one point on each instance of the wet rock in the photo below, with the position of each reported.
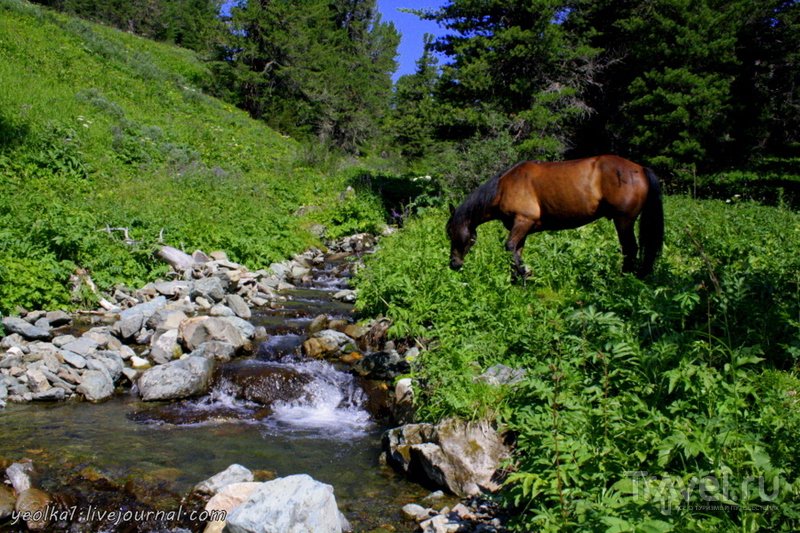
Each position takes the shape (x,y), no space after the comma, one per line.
(195,331)
(265,382)
(293,503)
(460,456)
(179,379)
(246,329)
(32,505)
(415,512)
(139,363)
(382,365)
(226,500)
(27,330)
(346,296)
(96,386)
(403,409)
(7,501)
(235,473)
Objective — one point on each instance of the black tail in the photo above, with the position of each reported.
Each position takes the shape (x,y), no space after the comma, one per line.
(651,226)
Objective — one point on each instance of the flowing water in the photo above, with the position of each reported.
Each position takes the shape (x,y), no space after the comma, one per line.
(322,429)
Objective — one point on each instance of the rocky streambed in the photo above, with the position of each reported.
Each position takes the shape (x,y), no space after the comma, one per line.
(127,407)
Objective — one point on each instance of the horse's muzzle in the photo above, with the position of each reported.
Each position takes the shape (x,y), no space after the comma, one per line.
(456,264)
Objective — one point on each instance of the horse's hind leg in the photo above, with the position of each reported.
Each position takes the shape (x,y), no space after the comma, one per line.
(627,239)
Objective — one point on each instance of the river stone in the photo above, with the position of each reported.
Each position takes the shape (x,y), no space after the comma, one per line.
(78,361)
(96,385)
(11,360)
(17,325)
(172,288)
(112,361)
(7,501)
(293,504)
(226,500)
(238,305)
(34,501)
(83,346)
(20,475)
(265,382)
(37,381)
(216,350)
(58,318)
(382,365)
(145,309)
(53,394)
(235,473)
(164,346)
(179,379)
(319,323)
(212,288)
(197,330)
(128,327)
(247,329)
(457,455)
(166,319)
(221,310)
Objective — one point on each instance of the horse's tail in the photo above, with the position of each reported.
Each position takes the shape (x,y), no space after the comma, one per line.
(651,227)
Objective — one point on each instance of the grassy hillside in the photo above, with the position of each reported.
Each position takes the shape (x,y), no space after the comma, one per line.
(687,380)
(99,127)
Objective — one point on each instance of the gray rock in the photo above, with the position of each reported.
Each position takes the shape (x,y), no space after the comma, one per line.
(10,360)
(216,350)
(53,394)
(42,323)
(112,361)
(61,340)
(179,379)
(197,330)
(58,318)
(247,330)
(233,474)
(173,289)
(21,475)
(17,325)
(212,288)
(221,310)
(13,340)
(128,327)
(457,455)
(281,270)
(74,359)
(166,319)
(498,375)
(83,346)
(290,504)
(164,346)
(382,365)
(346,296)
(145,309)
(96,386)
(238,305)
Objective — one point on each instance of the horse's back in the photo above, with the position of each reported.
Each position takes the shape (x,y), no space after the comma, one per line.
(571,193)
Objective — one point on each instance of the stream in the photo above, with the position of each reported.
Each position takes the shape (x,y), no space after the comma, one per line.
(158,452)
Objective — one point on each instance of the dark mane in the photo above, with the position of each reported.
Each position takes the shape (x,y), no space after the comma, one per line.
(472,210)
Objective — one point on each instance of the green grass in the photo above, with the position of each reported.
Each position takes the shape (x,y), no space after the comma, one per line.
(691,373)
(99,127)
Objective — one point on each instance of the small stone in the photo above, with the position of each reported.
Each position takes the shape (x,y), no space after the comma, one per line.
(139,363)
(35,502)
(96,386)
(415,512)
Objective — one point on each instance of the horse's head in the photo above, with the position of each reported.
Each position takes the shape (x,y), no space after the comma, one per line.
(462,237)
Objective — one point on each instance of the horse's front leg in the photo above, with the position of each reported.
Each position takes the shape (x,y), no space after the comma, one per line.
(515,244)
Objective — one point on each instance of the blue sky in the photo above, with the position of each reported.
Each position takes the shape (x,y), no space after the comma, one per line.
(411,28)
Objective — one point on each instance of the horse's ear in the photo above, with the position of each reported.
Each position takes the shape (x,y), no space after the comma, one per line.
(452,209)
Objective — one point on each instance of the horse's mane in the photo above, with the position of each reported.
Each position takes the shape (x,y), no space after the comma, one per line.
(472,210)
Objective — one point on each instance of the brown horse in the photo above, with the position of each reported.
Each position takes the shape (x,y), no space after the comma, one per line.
(534,196)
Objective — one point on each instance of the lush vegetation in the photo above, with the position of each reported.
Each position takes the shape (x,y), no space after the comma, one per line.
(635,390)
(99,128)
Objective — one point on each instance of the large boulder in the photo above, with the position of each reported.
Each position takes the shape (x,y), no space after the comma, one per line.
(179,379)
(293,504)
(456,455)
(195,331)
(164,346)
